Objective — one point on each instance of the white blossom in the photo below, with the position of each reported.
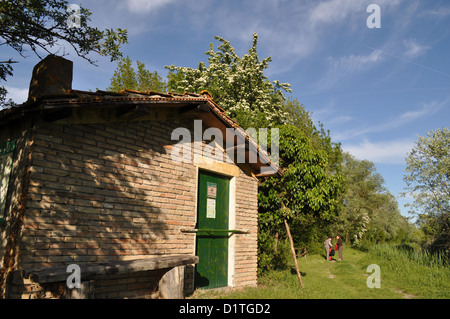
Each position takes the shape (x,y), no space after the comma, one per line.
(237,84)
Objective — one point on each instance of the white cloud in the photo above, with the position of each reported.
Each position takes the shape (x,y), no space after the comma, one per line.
(407,117)
(339,68)
(302,27)
(440,13)
(333,11)
(339,120)
(414,49)
(387,152)
(353,63)
(145,6)
(18,95)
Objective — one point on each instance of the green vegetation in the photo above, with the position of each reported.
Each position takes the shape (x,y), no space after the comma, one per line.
(126,77)
(405,274)
(428,179)
(237,84)
(414,271)
(322,191)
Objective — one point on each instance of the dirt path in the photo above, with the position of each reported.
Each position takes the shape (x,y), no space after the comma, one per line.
(404,294)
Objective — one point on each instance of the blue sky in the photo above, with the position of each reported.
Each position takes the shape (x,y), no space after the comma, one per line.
(375,89)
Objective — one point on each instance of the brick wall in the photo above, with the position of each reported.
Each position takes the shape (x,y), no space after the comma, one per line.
(103,193)
(246,259)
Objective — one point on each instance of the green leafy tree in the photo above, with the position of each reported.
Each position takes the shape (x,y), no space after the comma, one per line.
(45,25)
(237,84)
(296,115)
(428,173)
(306,191)
(362,182)
(427,178)
(370,213)
(385,220)
(126,77)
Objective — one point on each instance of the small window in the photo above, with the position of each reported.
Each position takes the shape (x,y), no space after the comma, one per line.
(6,161)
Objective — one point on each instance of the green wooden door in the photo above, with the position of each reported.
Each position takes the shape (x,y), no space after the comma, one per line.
(212,235)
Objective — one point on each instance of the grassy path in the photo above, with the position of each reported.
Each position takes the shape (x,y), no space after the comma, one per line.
(322,279)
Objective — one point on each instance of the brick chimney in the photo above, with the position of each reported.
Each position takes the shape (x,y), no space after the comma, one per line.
(53,75)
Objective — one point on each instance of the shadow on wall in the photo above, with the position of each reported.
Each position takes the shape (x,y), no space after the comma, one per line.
(105,193)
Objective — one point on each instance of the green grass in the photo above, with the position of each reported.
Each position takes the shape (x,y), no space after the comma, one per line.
(412,271)
(401,277)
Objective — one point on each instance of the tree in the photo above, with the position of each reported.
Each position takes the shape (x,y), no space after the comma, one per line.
(44,25)
(236,84)
(370,213)
(296,115)
(427,178)
(306,190)
(385,220)
(428,173)
(362,182)
(125,77)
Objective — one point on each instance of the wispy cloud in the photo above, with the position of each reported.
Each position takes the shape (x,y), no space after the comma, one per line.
(339,120)
(426,109)
(352,63)
(414,49)
(407,117)
(145,6)
(302,27)
(439,13)
(339,11)
(342,67)
(386,152)
(333,11)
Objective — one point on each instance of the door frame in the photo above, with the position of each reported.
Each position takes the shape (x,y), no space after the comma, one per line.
(230,171)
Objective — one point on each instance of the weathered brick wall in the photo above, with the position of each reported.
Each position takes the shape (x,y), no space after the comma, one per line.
(246,259)
(100,193)
(103,193)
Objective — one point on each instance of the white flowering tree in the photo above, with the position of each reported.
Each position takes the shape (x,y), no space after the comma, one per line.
(236,84)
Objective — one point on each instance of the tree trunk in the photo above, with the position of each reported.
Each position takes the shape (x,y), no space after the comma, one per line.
(276,243)
(293,252)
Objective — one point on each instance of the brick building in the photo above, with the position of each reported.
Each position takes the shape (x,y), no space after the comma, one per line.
(92,179)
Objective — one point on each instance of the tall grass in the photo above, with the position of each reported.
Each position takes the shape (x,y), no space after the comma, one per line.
(416,271)
(410,254)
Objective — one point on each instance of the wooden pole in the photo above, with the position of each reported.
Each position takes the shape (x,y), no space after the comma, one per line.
(293,252)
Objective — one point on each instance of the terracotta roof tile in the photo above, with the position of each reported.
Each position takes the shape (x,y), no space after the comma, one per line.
(77,98)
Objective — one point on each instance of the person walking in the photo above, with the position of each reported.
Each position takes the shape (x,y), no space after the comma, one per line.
(328,245)
(340,248)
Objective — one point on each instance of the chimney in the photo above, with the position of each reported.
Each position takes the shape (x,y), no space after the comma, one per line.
(53,75)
